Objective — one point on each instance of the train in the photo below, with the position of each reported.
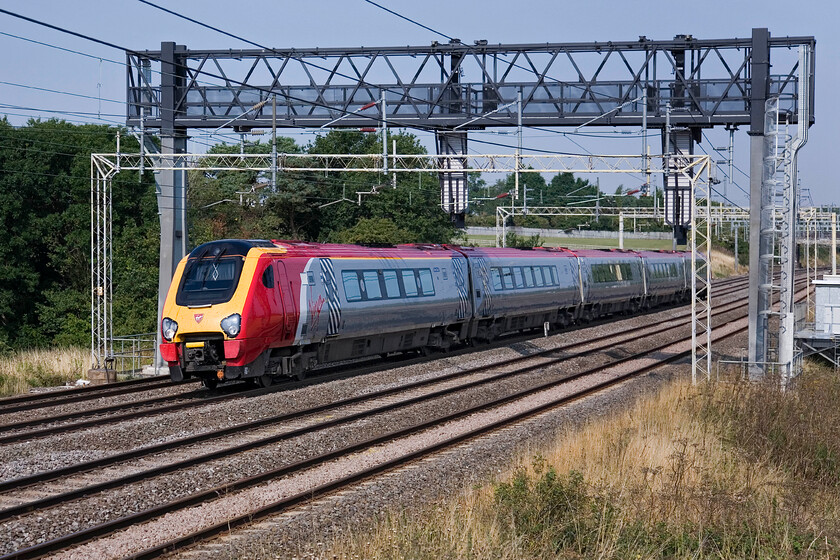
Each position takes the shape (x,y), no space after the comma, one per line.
(263,310)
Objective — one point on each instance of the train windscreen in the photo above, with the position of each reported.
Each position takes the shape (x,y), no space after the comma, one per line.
(209,281)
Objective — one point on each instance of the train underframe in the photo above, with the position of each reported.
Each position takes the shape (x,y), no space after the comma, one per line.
(206,360)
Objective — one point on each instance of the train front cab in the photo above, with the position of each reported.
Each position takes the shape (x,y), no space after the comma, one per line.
(230,302)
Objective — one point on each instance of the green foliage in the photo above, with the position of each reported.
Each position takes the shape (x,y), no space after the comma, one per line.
(547,509)
(311,206)
(38,375)
(796,430)
(376,231)
(523,242)
(45,210)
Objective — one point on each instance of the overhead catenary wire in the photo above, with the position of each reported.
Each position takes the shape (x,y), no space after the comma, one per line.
(62,92)
(356,111)
(197,71)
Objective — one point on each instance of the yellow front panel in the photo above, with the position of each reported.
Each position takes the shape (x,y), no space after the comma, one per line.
(206,319)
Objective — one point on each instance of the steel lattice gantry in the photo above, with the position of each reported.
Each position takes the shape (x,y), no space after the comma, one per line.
(707,82)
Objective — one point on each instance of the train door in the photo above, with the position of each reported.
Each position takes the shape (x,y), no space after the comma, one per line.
(481,294)
(287,302)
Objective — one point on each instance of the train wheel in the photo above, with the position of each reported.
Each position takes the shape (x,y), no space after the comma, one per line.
(210,382)
(265,380)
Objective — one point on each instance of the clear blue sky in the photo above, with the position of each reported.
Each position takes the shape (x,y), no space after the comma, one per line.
(349,23)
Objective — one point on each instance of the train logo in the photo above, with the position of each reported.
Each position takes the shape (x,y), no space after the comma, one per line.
(198,317)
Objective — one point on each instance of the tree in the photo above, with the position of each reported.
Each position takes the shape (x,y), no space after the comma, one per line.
(376,231)
(413,204)
(45,208)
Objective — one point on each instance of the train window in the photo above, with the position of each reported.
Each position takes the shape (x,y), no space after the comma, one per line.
(392,283)
(409,283)
(426,282)
(496,276)
(352,289)
(538,276)
(371,280)
(268,277)
(626,271)
(550,275)
(602,273)
(209,281)
(517,276)
(507,278)
(529,276)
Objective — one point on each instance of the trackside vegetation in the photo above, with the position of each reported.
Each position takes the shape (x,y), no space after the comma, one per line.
(727,469)
(22,370)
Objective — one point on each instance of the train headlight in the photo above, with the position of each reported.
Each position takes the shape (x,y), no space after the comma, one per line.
(232,324)
(168,328)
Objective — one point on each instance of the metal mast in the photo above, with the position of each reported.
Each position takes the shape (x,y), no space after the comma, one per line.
(790,213)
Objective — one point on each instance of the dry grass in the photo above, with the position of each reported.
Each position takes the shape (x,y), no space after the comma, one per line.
(723,264)
(727,470)
(20,371)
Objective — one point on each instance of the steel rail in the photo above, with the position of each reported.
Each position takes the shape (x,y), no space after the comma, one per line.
(348,481)
(187,396)
(67,496)
(72,394)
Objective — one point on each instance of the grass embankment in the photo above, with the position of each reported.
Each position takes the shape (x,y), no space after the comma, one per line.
(724,470)
(20,371)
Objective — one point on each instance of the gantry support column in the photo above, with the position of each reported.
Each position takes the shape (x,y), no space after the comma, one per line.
(171,183)
(454,197)
(759,303)
(453,184)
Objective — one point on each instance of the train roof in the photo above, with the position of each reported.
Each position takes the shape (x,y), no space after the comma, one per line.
(241,247)
(665,254)
(607,253)
(514,252)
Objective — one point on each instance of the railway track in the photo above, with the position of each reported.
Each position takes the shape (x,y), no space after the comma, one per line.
(607,341)
(33,401)
(542,360)
(15,431)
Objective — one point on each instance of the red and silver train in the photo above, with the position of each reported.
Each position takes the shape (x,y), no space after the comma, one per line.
(255,309)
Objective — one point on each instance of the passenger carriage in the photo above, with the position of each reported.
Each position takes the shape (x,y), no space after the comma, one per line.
(257,309)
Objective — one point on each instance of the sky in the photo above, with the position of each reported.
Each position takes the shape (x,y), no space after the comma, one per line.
(95,77)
